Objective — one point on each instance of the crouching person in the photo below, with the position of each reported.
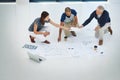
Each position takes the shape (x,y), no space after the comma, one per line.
(104,23)
(37,28)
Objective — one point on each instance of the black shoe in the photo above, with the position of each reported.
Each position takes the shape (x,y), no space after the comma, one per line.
(73,33)
(110,30)
(40,59)
(65,38)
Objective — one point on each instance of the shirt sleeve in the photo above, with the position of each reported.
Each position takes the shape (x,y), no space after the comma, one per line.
(74,12)
(89,19)
(36,21)
(63,17)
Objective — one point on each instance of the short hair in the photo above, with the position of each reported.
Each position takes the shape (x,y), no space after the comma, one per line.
(67,9)
(100,7)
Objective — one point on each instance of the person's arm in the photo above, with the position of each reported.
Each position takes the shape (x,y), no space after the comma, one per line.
(76,20)
(74,12)
(60,31)
(54,24)
(37,32)
(57,25)
(61,24)
(89,19)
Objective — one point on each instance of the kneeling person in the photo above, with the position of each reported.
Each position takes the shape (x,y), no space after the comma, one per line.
(103,19)
(68,20)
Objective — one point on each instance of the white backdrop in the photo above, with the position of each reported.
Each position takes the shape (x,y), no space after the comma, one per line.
(15,65)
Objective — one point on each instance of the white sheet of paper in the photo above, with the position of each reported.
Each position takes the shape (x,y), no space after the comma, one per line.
(67,49)
(74,29)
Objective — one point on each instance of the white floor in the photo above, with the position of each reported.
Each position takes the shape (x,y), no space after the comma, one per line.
(14,61)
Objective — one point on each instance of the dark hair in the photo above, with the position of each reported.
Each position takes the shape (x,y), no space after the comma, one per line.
(44,14)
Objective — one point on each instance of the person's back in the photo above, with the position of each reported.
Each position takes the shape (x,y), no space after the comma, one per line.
(38,23)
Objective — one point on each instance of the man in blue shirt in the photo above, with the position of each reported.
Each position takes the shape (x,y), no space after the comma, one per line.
(68,20)
(103,19)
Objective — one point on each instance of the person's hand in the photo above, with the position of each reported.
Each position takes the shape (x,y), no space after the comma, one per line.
(59,39)
(97,28)
(74,24)
(81,26)
(46,33)
(65,28)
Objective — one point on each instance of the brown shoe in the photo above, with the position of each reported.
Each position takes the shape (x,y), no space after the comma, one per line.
(32,39)
(100,42)
(73,33)
(47,42)
(110,30)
